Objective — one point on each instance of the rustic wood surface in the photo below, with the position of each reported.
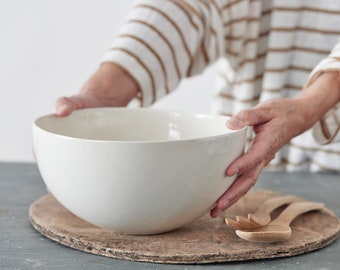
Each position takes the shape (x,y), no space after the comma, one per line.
(205,241)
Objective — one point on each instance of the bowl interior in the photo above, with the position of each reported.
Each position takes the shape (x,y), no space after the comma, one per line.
(121,124)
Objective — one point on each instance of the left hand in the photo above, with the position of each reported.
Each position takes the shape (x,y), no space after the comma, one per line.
(275,123)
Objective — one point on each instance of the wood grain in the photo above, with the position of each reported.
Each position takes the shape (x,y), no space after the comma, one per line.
(206,240)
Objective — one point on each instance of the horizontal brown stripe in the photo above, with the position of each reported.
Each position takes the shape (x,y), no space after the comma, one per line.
(259,57)
(243,19)
(284,87)
(299,48)
(311,9)
(247,40)
(283,50)
(257,77)
(250,80)
(266,12)
(262,35)
(305,29)
(231,97)
(291,67)
(230,4)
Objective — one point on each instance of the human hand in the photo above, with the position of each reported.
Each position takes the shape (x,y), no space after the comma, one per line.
(109,86)
(275,123)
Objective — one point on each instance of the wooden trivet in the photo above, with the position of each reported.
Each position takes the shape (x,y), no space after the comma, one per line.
(205,241)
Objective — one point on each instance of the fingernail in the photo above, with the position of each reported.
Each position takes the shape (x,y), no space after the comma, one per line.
(232,172)
(62,109)
(216,212)
(233,123)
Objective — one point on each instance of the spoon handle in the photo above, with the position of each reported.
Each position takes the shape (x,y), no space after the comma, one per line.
(273,203)
(294,210)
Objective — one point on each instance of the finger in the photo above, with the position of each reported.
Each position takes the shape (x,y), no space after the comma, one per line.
(249,160)
(237,190)
(263,148)
(235,123)
(215,212)
(251,117)
(66,105)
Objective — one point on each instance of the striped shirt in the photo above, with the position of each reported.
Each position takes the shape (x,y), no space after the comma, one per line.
(266,49)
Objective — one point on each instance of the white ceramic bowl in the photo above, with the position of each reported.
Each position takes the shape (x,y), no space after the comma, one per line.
(136,171)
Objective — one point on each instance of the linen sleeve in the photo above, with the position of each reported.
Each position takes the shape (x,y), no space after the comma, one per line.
(327,129)
(165,41)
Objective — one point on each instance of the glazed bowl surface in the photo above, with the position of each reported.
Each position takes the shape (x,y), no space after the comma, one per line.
(136,171)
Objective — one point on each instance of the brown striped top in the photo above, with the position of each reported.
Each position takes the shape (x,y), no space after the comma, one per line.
(265,49)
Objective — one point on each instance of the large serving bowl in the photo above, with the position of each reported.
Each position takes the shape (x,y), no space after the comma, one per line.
(136,171)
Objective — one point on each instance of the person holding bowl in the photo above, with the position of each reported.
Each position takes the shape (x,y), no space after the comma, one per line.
(279,74)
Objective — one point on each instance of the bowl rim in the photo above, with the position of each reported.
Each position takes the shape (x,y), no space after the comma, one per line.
(165,141)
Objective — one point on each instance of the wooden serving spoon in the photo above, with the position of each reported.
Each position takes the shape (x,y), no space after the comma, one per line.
(262,216)
(279,229)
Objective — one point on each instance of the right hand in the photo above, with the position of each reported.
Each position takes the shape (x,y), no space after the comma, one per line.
(109,86)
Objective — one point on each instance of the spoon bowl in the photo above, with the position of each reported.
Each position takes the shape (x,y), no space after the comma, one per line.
(262,216)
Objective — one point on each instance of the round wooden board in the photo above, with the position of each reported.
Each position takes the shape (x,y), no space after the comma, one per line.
(206,240)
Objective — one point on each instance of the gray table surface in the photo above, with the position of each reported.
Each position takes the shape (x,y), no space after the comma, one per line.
(21,247)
